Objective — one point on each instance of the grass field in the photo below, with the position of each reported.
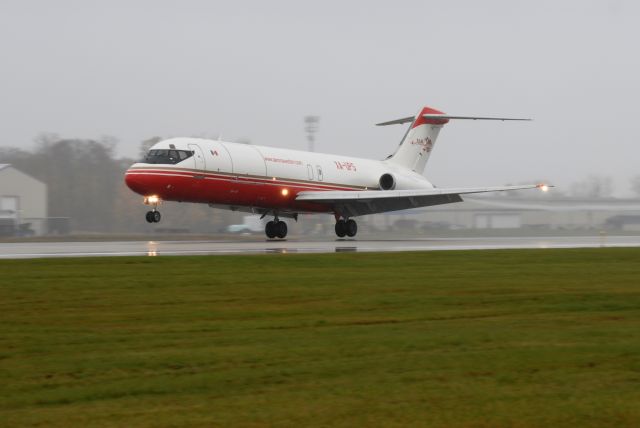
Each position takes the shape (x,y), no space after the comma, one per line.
(523,338)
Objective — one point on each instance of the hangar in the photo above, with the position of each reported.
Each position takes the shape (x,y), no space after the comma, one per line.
(23,203)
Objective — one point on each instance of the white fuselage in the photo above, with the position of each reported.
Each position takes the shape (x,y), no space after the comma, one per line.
(316,168)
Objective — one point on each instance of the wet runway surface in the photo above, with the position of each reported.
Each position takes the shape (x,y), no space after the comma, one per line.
(157,248)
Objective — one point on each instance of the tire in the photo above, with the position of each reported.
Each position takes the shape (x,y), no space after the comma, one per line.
(341,228)
(282,229)
(269,230)
(149,217)
(351,228)
(156,216)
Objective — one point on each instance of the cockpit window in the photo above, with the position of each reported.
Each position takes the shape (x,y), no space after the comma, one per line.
(167,156)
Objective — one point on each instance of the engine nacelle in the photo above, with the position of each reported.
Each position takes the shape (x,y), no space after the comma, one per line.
(387,181)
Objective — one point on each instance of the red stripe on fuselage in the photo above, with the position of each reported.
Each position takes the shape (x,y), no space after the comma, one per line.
(205,187)
(315,185)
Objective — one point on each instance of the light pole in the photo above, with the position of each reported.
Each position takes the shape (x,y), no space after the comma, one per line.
(311,127)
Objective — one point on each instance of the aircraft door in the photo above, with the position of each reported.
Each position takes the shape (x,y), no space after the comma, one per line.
(217,157)
(198,156)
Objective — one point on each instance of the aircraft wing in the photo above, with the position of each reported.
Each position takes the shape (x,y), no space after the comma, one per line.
(363,202)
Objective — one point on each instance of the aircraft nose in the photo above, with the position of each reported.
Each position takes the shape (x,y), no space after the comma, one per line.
(135,182)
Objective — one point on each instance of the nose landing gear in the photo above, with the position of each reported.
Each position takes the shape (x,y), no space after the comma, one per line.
(346,228)
(276,229)
(153,216)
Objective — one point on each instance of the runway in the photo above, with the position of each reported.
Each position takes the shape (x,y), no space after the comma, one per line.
(262,246)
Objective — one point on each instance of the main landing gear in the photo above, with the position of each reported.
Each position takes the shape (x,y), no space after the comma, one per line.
(276,229)
(346,228)
(153,216)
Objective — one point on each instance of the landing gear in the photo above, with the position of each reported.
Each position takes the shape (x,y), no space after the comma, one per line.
(352,228)
(270,229)
(153,216)
(276,229)
(346,228)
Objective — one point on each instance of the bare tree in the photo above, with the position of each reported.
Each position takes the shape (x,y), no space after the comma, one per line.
(146,145)
(594,186)
(635,185)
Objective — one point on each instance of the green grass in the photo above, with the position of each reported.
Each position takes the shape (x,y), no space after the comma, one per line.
(441,339)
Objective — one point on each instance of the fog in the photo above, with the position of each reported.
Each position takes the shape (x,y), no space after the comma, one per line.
(252,70)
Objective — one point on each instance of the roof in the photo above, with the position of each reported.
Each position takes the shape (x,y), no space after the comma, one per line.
(7,166)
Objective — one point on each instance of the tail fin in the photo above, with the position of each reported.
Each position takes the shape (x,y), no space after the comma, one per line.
(415,148)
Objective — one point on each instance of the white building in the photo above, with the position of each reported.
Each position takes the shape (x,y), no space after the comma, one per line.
(23,203)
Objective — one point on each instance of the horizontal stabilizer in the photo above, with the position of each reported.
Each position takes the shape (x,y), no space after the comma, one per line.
(446,117)
(397,121)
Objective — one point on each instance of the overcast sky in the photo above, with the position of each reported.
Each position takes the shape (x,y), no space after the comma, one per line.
(254,69)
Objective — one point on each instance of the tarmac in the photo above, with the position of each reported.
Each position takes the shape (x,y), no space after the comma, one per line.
(24,250)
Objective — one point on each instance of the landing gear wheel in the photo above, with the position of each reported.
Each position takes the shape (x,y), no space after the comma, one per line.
(341,228)
(153,216)
(275,229)
(282,229)
(351,228)
(270,229)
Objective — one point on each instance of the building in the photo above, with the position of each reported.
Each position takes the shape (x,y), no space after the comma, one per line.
(23,203)
(496,212)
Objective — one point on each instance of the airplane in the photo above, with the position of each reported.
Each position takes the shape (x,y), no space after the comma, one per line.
(283,183)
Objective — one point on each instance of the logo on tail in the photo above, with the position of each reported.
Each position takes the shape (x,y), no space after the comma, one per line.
(426,145)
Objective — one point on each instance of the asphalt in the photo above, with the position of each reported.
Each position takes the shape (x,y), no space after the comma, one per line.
(299,245)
